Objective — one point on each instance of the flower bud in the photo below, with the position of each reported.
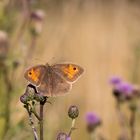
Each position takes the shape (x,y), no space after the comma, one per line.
(29,94)
(37,18)
(62,136)
(68,138)
(31,91)
(24,98)
(73,112)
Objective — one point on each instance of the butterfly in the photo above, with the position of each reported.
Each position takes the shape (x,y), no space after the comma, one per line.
(53,80)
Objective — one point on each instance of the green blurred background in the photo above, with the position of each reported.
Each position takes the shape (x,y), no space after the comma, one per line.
(103,36)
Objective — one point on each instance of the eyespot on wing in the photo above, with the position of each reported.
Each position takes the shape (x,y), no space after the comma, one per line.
(70,72)
(35,74)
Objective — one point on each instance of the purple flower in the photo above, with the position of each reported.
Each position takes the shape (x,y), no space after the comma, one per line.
(125,88)
(68,138)
(115,80)
(61,136)
(92,121)
(92,118)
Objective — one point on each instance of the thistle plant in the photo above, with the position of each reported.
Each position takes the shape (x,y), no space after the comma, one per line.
(126,93)
(92,123)
(73,113)
(30,99)
(62,136)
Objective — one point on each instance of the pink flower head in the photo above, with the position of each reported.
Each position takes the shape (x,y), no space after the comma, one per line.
(92,118)
(125,88)
(115,80)
(68,138)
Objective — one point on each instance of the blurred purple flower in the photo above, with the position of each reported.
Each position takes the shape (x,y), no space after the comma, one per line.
(61,136)
(125,88)
(115,80)
(92,121)
(68,138)
(92,118)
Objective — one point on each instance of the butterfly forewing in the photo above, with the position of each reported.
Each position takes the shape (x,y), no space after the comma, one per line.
(70,72)
(35,74)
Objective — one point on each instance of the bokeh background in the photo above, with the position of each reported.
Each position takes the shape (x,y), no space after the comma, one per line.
(103,36)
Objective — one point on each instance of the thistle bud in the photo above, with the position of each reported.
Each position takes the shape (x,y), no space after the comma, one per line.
(62,136)
(29,94)
(37,18)
(73,112)
(31,91)
(24,98)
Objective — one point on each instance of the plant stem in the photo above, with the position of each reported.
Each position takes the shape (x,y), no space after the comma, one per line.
(7,99)
(72,127)
(93,136)
(41,121)
(132,124)
(42,103)
(122,121)
(35,113)
(32,123)
(33,128)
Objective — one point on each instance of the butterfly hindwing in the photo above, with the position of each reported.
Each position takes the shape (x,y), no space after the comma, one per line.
(59,86)
(53,84)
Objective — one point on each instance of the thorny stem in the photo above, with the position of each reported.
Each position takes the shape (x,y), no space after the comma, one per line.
(42,103)
(41,122)
(31,49)
(132,124)
(8,99)
(100,137)
(93,136)
(35,113)
(122,121)
(32,123)
(26,15)
(72,127)
(32,46)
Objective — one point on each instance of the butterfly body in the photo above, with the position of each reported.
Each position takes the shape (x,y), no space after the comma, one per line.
(53,80)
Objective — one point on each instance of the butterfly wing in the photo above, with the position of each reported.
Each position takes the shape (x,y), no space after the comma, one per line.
(35,74)
(59,86)
(44,87)
(70,72)
(53,84)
